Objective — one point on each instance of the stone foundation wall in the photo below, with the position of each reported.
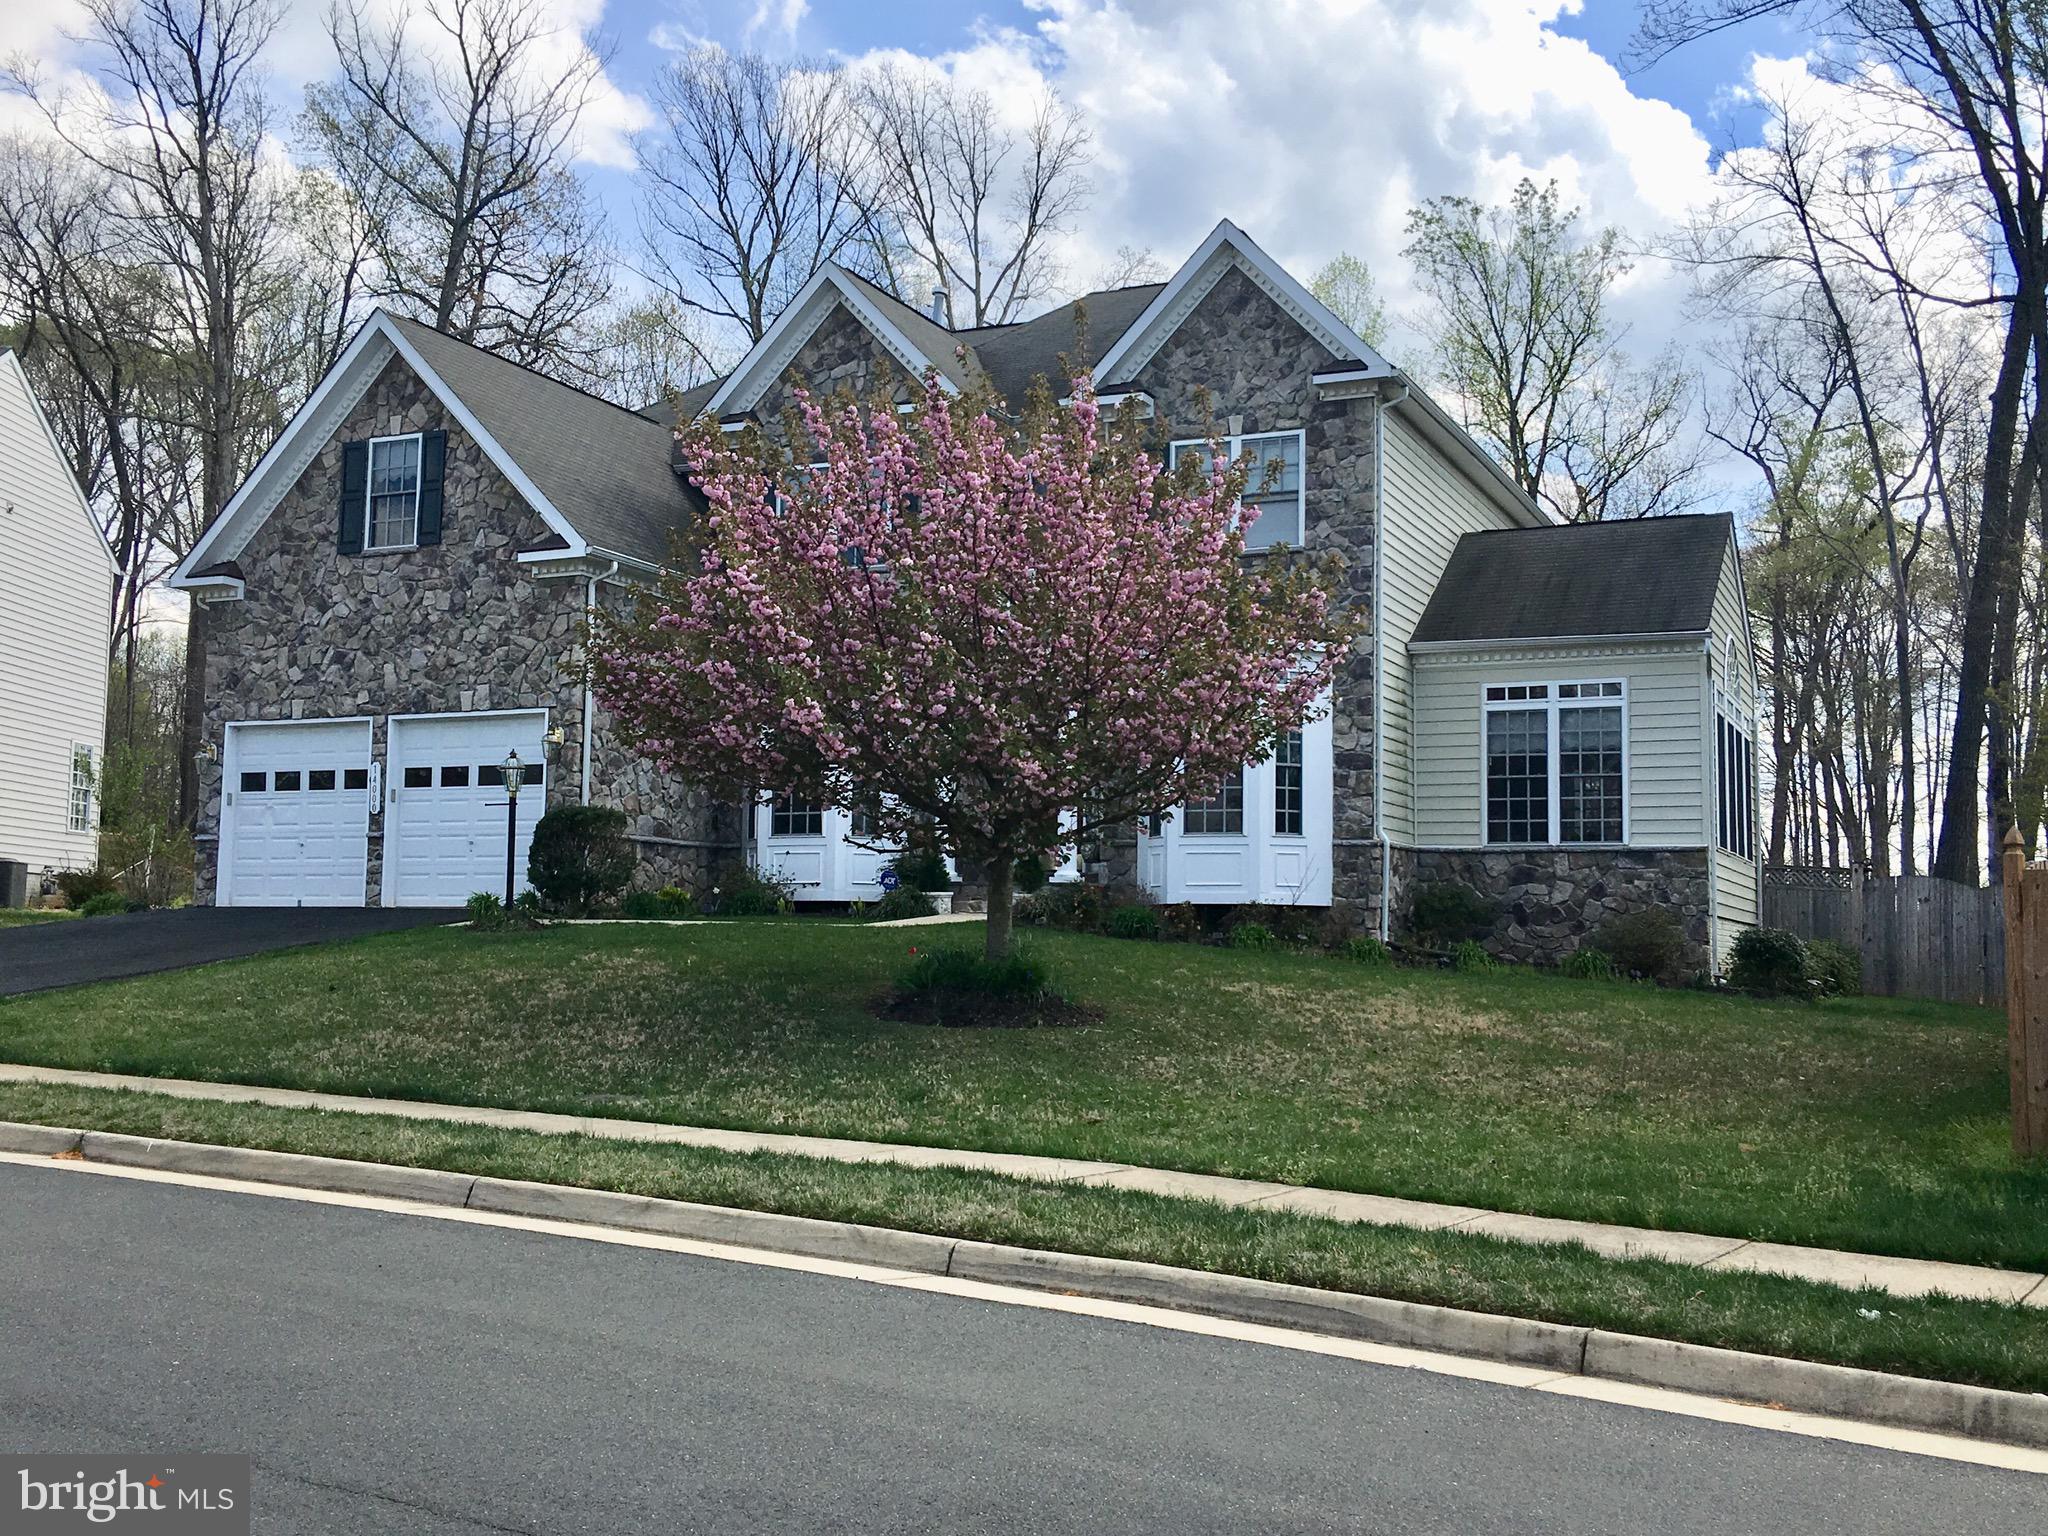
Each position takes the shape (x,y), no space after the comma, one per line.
(1552,899)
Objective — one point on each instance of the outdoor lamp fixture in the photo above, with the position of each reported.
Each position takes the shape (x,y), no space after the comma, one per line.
(515,775)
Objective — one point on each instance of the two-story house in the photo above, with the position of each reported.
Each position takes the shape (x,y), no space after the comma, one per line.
(56,601)
(1558,716)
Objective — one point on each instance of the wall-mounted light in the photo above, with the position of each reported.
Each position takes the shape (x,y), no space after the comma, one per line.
(554,736)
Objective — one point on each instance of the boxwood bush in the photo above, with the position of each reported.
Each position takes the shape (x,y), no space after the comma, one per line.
(580,857)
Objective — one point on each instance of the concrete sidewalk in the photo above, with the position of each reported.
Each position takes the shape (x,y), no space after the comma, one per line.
(1900,1277)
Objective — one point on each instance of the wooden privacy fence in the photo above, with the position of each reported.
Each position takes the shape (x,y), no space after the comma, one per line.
(1920,936)
(2026,995)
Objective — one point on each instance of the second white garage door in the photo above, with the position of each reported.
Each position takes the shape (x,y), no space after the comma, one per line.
(444,812)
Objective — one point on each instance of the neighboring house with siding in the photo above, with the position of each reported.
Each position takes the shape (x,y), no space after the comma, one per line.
(56,599)
(405,572)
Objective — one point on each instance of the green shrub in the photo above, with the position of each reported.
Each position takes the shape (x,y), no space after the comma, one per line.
(1444,912)
(1252,936)
(108,903)
(900,903)
(1019,974)
(1287,925)
(1134,922)
(1836,968)
(1650,943)
(1071,904)
(671,901)
(485,910)
(1770,963)
(1470,956)
(1029,875)
(739,890)
(78,886)
(1364,949)
(580,857)
(1181,922)
(488,913)
(922,867)
(1588,964)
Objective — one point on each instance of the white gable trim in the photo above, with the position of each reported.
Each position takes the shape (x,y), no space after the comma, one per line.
(316,422)
(1229,246)
(778,347)
(63,464)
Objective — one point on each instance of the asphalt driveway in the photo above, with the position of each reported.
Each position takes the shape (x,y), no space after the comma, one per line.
(38,956)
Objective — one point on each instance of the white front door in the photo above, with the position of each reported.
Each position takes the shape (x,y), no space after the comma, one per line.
(445,817)
(295,814)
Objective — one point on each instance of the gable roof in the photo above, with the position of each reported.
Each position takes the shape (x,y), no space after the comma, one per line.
(1015,355)
(596,473)
(603,467)
(10,363)
(1649,576)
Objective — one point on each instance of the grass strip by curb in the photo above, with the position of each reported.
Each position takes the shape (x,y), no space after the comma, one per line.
(1975,1342)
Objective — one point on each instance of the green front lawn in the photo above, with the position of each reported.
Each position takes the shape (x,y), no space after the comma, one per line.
(1873,1124)
(21,917)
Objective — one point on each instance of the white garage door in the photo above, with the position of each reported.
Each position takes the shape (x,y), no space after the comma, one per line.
(295,814)
(444,814)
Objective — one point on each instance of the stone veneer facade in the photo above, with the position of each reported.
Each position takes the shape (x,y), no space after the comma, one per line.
(1552,899)
(1240,359)
(456,626)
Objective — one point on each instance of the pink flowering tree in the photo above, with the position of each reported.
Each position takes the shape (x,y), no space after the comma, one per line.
(971,627)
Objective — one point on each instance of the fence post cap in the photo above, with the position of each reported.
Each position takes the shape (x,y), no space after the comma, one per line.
(2014,841)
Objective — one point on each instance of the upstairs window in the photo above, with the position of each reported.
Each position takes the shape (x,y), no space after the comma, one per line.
(1556,763)
(394,521)
(1735,780)
(1275,486)
(1221,814)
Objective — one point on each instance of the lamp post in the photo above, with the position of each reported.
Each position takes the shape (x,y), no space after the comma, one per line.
(515,775)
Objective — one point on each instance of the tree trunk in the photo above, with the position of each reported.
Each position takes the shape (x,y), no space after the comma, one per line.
(1000,870)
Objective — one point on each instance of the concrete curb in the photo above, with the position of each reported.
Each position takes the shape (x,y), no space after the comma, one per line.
(1983,1413)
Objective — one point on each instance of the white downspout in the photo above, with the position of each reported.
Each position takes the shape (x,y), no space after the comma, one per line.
(590,608)
(1379,655)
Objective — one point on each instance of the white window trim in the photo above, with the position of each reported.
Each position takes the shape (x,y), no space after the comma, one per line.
(1234,449)
(1551,704)
(78,804)
(370,488)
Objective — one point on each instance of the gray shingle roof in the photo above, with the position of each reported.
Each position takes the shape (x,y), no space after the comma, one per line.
(1014,355)
(1651,576)
(604,467)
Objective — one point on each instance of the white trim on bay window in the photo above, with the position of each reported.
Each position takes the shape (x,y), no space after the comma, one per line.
(392,518)
(1283,508)
(1531,719)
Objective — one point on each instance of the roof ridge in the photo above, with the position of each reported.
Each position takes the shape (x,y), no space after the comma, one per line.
(511,362)
(1605,522)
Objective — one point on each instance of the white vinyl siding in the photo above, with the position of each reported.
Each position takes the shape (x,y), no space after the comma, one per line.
(1735,878)
(1665,775)
(1428,506)
(56,586)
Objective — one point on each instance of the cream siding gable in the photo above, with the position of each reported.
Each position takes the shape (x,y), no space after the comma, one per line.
(1666,790)
(1427,506)
(56,590)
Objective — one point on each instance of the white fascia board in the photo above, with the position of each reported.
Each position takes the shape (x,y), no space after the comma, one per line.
(374,330)
(764,362)
(63,465)
(356,366)
(1161,317)
(493,449)
(1669,639)
(1456,444)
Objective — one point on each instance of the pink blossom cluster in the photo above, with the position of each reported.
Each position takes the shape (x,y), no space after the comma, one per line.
(966,626)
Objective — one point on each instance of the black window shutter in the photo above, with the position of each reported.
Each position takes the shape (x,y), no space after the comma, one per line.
(433,456)
(355,485)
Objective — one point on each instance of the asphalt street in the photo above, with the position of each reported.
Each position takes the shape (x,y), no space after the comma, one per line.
(392,1373)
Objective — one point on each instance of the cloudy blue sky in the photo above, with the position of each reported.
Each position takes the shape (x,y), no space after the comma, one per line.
(1315,124)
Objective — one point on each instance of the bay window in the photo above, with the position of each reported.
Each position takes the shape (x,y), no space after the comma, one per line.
(793,817)
(1287,786)
(1556,763)
(1275,486)
(1220,814)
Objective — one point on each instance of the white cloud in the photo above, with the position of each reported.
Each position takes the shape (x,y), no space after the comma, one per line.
(777,18)
(1317,124)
